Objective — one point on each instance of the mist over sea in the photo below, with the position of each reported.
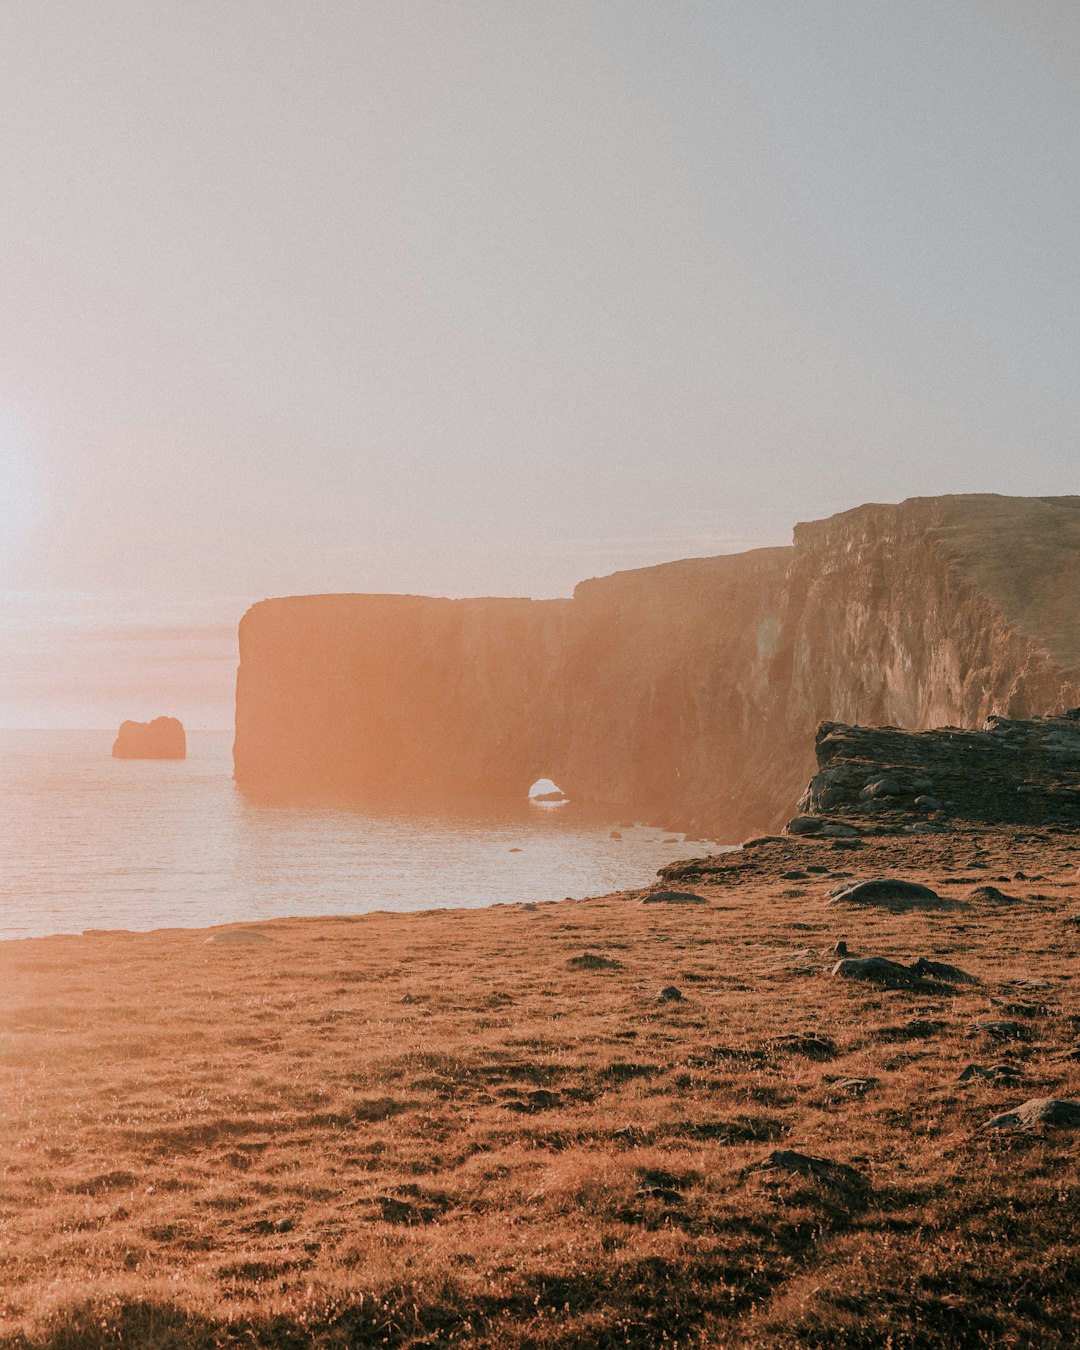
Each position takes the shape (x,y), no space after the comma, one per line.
(87,841)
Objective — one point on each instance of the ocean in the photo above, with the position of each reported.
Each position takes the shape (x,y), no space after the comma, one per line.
(87,841)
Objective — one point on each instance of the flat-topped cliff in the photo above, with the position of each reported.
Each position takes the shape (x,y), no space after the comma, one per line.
(690,691)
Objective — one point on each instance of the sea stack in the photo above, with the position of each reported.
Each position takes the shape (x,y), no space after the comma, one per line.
(163,738)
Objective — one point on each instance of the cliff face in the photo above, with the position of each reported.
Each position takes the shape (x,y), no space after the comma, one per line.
(689,692)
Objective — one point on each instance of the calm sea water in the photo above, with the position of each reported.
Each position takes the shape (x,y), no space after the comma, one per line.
(87,841)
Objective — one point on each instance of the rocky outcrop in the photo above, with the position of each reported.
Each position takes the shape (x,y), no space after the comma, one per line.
(1008,772)
(688,692)
(163,738)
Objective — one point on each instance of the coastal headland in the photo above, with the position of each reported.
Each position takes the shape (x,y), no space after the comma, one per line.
(627,1120)
(688,692)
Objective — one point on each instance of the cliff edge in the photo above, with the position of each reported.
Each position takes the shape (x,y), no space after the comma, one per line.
(689,692)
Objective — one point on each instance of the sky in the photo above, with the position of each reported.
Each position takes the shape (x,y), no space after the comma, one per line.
(488,297)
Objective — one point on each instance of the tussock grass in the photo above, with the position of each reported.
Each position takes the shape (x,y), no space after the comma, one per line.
(441,1129)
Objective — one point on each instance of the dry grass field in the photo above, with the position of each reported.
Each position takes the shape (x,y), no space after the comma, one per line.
(447,1129)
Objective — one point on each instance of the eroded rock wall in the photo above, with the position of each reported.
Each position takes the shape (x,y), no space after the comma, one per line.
(689,692)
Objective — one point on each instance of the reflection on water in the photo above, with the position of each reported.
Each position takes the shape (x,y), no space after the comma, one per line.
(91,842)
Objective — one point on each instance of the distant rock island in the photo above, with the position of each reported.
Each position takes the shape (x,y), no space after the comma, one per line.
(690,691)
(163,738)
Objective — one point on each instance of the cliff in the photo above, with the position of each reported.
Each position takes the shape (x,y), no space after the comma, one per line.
(689,692)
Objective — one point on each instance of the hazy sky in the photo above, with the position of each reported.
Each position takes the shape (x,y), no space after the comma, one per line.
(489,297)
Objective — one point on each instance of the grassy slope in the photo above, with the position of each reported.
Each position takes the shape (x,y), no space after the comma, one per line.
(432,1129)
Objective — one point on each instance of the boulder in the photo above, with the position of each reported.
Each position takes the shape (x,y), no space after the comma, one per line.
(876,970)
(992,895)
(673,898)
(890,893)
(1038,1111)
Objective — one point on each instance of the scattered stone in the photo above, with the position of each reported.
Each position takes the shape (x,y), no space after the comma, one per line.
(812,1044)
(995,1073)
(515,850)
(991,895)
(924,968)
(614,835)
(852,1087)
(927,803)
(881,787)
(1019,1007)
(876,970)
(1055,1111)
(914,1029)
(542,1099)
(670,995)
(840,948)
(673,898)
(1001,1029)
(836,1176)
(663,1193)
(794,874)
(238,935)
(803,825)
(890,894)
(284,1226)
(594,961)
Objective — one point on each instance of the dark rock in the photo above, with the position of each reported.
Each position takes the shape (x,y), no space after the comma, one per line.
(995,1073)
(891,894)
(840,949)
(1001,1029)
(1053,1111)
(812,1044)
(794,874)
(926,803)
(991,895)
(876,970)
(836,1176)
(914,1029)
(163,738)
(669,995)
(663,1193)
(594,961)
(925,969)
(881,787)
(673,898)
(851,1087)
(804,825)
